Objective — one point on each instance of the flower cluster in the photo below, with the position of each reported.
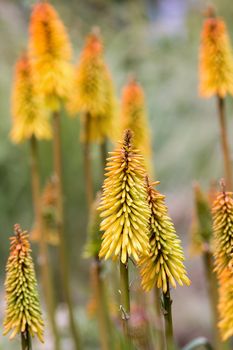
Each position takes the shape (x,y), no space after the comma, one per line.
(23,307)
(133,116)
(50,53)
(123,206)
(216,60)
(164,264)
(93,92)
(223,232)
(30,118)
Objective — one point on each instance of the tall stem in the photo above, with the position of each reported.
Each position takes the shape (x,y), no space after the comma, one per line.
(26,343)
(167,312)
(87,162)
(46,274)
(104,154)
(159,324)
(103,319)
(125,297)
(224,142)
(60,226)
(213,296)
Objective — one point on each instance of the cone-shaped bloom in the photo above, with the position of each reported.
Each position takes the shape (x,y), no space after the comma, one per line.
(123,204)
(134,117)
(202,222)
(23,308)
(92,246)
(30,117)
(223,231)
(165,262)
(215,60)
(50,52)
(93,92)
(225,305)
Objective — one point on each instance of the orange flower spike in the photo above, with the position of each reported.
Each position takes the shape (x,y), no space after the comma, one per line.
(90,76)
(50,51)
(30,117)
(133,116)
(216,59)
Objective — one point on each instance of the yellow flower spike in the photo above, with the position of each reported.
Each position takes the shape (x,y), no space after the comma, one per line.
(165,260)
(222,226)
(201,231)
(30,117)
(225,305)
(93,92)
(23,307)
(123,206)
(133,116)
(50,53)
(215,60)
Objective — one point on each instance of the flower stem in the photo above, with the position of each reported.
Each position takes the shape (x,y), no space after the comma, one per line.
(159,326)
(26,343)
(87,162)
(224,142)
(103,317)
(104,154)
(167,312)
(125,297)
(46,274)
(213,296)
(60,226)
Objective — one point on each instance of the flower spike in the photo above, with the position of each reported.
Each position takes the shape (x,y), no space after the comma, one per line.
(30,117)
(165,261)
(93,92)
(133,116)
(123,206)
(222,226)
(23,308)
(216,59)
(50,52)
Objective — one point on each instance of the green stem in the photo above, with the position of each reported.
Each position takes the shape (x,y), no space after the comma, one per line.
(167,312)
(103,317)
(224,142)
(104,154)
(46,274)
(213,296)
(159,324)
(60,226)
(125,297)
(26,343)
(87,162)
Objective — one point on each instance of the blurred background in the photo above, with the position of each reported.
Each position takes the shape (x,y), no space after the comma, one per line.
(157,41)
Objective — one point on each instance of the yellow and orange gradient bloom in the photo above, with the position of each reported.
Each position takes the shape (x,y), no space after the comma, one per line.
(93,92)
(222,227)
(30,117)
(50,53)
(134,116)
(215,59)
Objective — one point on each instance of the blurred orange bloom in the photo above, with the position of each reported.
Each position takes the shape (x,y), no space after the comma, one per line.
(50,52)
(215,60)
(30,117)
